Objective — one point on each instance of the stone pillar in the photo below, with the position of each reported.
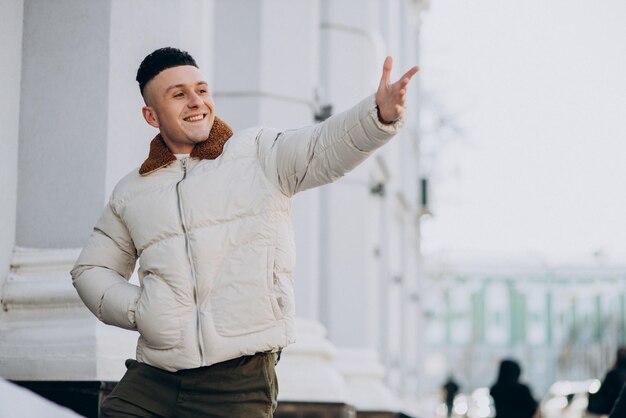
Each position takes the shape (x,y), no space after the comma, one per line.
(352,55)
(63,121)
(11,16)
(349,62)
(369,239)
(80,131)
(150,24)
(267,74)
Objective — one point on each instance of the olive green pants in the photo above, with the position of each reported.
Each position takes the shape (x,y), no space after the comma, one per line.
(244,387)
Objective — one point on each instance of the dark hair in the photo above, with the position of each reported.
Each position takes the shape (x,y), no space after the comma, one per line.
(160,60)
(509,372)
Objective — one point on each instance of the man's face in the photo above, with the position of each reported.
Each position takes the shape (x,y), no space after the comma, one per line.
(178,102)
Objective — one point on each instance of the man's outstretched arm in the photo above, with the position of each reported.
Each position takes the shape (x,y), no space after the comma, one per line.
(297,160)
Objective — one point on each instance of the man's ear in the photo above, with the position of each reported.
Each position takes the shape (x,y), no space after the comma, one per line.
(150,116)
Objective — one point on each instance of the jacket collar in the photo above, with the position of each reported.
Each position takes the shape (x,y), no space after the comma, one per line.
(160,155)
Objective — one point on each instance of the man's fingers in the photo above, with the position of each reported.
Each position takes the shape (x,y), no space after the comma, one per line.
(409,74)
(384,79)
(391,98)
(404,81)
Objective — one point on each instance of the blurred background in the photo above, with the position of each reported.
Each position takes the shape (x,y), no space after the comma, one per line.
(490,228)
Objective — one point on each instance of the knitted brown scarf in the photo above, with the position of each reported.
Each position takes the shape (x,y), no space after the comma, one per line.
(210,149)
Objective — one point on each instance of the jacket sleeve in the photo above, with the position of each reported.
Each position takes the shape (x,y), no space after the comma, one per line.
(300,159)
(103,269)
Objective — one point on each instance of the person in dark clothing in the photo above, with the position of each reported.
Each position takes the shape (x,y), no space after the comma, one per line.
(603,400)
(512,399)
(619,409)
(450,389)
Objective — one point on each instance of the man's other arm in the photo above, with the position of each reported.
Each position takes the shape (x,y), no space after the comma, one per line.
(103,269)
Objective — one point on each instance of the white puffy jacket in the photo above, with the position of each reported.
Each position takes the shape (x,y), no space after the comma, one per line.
(215,241)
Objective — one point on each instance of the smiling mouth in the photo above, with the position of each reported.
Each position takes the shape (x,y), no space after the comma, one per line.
(195,118)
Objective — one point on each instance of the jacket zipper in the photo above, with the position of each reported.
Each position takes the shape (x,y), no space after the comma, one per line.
(190,258)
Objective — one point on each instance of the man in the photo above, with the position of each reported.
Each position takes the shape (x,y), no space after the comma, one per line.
(207,215)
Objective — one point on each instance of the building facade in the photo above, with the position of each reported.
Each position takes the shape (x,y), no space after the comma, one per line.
(72,128)
(562,322)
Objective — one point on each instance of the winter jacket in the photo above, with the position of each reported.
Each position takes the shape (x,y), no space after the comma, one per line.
(619,409)
(513,400)
(214,239)
(604,399)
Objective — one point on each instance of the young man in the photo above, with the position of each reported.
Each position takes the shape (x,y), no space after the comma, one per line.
(207,215)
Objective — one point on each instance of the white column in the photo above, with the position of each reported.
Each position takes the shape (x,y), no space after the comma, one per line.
(412,171)
(137,29)
(400,29)
(351,232)
(350,52)
(266,73)
(306,221)
(80,131)
(46,332)
(63,118)
(11,16)
(370,243)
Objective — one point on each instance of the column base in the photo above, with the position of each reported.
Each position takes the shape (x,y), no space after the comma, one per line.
(306,374)
(47,333)
(365,378)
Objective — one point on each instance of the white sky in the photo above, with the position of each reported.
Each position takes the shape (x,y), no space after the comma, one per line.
(538,88)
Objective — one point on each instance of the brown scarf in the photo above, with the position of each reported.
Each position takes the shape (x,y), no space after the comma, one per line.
(160,155)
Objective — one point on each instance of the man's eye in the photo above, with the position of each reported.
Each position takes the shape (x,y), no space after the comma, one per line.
(178,94)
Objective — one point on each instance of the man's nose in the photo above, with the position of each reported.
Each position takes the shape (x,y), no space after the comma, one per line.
(194,100)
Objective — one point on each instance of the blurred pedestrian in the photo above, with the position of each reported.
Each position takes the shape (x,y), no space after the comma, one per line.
(450,389)
(602,401)
(511,397)
(619,409)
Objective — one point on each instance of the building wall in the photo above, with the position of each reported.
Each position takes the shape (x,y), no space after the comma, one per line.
(11,16)
(138,28)
(63,115)
(368,237)
(268,62)
(560,325)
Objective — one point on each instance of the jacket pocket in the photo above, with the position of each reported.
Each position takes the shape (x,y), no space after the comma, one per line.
(158,315)
(272,285)
(241,301)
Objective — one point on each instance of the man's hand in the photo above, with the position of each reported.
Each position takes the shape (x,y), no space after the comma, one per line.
(390,98)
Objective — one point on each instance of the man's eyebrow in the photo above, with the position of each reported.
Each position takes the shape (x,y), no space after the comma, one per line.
(175,86)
